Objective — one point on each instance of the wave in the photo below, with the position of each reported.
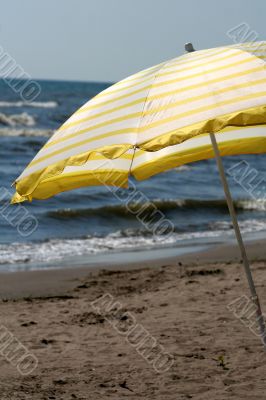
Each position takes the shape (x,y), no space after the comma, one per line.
(17,119)
(255,204)
(182,168)
(247,226)
(37,104)
(128,239)
(26,132)
(130,209)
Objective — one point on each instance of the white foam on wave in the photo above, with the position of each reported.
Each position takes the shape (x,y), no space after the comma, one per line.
(55,250)
(38,104)
(17,119)
(58,249)
(183,168)
(247,226)
(252,204)
(26,132)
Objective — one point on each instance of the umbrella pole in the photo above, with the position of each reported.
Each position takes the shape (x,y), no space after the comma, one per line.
(241,245)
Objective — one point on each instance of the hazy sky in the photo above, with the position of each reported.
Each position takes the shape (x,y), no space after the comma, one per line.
(110,39)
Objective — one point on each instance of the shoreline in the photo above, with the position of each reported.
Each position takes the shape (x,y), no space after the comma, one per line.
(183,304)
(59,281)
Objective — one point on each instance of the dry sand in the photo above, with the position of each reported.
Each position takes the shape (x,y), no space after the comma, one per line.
(184,307)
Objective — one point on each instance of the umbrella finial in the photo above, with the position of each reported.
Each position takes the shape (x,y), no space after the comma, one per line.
(189,47)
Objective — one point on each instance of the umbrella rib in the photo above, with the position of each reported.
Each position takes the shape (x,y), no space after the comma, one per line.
(132,160)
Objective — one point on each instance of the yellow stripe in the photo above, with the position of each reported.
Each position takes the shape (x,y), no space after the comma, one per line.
(180,79)
(251,43)
(258,50)
(249,47)
(203,64)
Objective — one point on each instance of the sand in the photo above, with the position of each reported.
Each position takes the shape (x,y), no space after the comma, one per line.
(83,348)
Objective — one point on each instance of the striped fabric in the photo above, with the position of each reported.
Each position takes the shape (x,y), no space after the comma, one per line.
(155,120)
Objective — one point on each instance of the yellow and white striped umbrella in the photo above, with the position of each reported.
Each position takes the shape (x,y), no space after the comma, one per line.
(155,120)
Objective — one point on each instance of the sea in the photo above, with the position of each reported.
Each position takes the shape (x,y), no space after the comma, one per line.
(91,225)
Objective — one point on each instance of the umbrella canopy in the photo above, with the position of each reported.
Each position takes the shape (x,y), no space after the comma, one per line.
(155,120)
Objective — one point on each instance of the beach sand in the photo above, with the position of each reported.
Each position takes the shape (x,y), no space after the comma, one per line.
(181,303)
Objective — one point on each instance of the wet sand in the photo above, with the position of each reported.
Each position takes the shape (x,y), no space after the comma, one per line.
(84,351)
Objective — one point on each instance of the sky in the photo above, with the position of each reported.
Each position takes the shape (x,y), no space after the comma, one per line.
(107,40)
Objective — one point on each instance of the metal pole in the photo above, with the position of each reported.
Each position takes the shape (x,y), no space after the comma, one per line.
(241,245)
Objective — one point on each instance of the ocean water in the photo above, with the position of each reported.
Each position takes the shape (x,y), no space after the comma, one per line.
(92,221)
